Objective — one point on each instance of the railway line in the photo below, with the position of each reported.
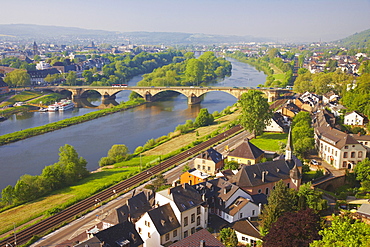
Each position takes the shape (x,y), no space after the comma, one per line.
(56,220)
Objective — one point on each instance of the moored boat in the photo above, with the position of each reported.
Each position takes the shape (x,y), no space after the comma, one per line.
(53,107)
(66,105)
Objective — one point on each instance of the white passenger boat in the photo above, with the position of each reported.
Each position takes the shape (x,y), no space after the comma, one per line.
(53,107)
(66,105)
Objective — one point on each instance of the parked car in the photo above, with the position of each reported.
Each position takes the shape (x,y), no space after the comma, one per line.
(314,162)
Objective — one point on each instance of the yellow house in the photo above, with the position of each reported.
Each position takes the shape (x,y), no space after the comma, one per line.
(246,153)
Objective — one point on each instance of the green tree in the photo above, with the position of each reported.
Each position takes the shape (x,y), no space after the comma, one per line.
(194,71)
(71,78)
(228,237)
(255,113)
(282,199)
(18,78)
(88,75)
(310,198)
(7,195)
(118,152)
(303,134)
(232,165)
(204,118)
(344,231)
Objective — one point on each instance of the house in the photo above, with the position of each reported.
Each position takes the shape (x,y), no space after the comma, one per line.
(329,97)
(121,235)
(193,176)
(289,109)
(4,88)
(337,148)
(261,178)
(364,212)
(188,206)
(364,140)
(355,118)
(227,200)
(279,123)
(246,232)
(337,109)
(38,76)
(246,153)
(202,238)
(159,226)
(132,210)
(303,105)
(209,161)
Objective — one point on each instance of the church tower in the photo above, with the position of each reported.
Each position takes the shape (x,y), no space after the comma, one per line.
(35,49)
(289,146)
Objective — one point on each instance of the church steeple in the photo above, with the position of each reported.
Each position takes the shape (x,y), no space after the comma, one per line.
(35,48)
(289,146)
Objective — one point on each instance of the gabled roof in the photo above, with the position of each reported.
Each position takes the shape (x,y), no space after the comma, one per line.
(211,154)
(247,228)
(195,239)
(247,150)
(364,210)
(335,137)
(117,215)
(236,205)
(164,219)
(184,196)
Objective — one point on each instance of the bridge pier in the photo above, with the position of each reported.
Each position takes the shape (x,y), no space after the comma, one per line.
(192,100)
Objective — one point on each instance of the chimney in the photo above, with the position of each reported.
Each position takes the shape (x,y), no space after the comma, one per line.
(263,176)
(202,243)
(169,191)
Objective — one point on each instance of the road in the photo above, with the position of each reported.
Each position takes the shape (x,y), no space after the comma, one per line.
(70,231)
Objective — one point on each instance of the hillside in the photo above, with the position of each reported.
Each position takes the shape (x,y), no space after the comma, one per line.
(67,35)
(357,40)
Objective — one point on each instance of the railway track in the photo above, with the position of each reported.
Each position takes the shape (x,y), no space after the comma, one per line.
(56,220)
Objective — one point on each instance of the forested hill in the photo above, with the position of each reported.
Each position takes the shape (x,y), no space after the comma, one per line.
(357,40)
(67,35)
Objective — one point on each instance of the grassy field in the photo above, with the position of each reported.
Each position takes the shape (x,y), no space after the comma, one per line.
(270,141)
(103,179)
(88,186)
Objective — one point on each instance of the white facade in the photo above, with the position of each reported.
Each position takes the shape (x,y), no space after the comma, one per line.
(274,127)
(246,239)
(147,231)
(353,118)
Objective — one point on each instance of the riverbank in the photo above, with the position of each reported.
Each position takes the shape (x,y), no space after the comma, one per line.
(103,179)
(23,134)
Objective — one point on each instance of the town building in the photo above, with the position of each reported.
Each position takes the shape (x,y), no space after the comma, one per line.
(202,238)
(209,162)
(246,153)
(246,232)
(355,118)
(193,176)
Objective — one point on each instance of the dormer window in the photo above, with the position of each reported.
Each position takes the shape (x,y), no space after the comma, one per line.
(183,206)
(191,203)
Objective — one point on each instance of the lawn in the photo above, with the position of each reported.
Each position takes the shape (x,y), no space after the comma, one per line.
(270,141)
(85,188)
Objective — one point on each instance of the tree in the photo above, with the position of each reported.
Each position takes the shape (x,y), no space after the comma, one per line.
(194,71)
(204,118)
(303,133)
(344,231)
(73,166)
(282,199)
(232,165)
(362,172)
(7,195)
(255,112)
(18,78)
(310,198)
(294,229)
(118,152)
(228,237)
(71,78)
(88,75)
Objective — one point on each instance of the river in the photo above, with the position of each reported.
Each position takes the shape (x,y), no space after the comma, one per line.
(93,139)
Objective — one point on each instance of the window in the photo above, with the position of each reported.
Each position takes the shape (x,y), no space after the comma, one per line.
(345,147)
(240,215)
(185,221)
(203,161)
(192,230)
(259,191)
(267,191)
(186,234)
(253,212)
(344,164)
(204,167)
(139,230)
(198,166)
(198,220)
(360,154)
(167,236)
(253,242)
(192,218)
(326,147)
(198,210)
(353,154)
(209,168)
(149,236)
(336,153)
(345,155)
(174,233)
(288,185)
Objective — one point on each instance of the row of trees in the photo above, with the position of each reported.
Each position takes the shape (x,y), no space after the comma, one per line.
(68,170)
(289,204)
(303,134)
(190,72)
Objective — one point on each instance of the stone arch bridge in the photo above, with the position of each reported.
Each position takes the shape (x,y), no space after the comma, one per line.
(149,93)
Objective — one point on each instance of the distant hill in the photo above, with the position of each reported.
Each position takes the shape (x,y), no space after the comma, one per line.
(357,40)
(40,33)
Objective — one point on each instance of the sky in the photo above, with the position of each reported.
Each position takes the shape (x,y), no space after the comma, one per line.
(281,20)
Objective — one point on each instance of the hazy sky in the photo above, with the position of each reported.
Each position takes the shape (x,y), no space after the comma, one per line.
(282,20)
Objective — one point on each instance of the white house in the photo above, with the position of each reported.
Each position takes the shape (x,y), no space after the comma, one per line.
(188,206)
(246,232)
(227,200)
(355,118)
(159,227)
